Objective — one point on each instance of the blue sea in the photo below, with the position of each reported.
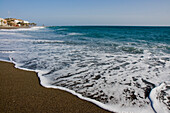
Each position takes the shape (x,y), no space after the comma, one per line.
(119,68)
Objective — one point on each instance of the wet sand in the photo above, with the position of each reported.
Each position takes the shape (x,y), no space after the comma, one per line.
(20,92)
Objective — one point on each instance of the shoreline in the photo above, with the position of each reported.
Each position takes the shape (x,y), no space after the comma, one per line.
(21,92)
(11,27)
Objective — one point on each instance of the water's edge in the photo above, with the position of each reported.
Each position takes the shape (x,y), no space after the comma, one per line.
(116,68)
(47,85)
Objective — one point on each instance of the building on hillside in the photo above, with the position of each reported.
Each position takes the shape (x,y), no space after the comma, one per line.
(25,23)
(15,22)
(11,21)
(3,22)
(18,22)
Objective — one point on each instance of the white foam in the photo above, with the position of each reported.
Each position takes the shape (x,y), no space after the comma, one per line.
(7,33)
(25,29)
(116,70)
(61,29)
(5,60)
(31,40)
(33,28)
(157,104)
(14,34)
(114,108)
(47,41)
(7,51)
(108,88)
(72,34)
(45,83)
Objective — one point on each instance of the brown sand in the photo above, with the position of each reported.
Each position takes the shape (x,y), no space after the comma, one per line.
(10,27)
(20,92)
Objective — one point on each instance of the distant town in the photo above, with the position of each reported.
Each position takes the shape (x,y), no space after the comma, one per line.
(13,22)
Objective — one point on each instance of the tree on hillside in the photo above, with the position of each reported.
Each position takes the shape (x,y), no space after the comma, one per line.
(32,24)
(5,22)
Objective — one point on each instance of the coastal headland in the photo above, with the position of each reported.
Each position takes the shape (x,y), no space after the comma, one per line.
(13,23)
(22,93)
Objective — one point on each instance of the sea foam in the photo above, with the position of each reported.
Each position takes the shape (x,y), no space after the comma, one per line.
(114,68)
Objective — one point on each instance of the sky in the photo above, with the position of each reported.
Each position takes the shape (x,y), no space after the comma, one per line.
(88,12)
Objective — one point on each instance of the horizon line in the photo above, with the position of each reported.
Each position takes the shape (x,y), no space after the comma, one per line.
(112,25)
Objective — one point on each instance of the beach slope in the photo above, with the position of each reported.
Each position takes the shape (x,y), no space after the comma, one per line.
(20,92)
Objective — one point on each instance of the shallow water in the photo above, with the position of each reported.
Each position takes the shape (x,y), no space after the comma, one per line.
(117,66)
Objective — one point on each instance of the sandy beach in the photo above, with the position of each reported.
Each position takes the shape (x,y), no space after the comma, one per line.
(20,92)
(11,27)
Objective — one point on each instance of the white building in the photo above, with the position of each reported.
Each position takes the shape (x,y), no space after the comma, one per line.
(26,22)
(17,21)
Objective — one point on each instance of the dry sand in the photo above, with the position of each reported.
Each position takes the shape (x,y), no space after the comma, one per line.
(11,27)
(20,92)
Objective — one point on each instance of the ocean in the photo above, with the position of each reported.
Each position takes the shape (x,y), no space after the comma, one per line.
(119,68)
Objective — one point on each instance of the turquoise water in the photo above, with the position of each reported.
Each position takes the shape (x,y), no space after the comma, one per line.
(114,65)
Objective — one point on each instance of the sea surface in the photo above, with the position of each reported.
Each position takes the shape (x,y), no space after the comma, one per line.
(120,68)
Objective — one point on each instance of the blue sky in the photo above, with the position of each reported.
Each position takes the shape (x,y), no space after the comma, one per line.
(88,12)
